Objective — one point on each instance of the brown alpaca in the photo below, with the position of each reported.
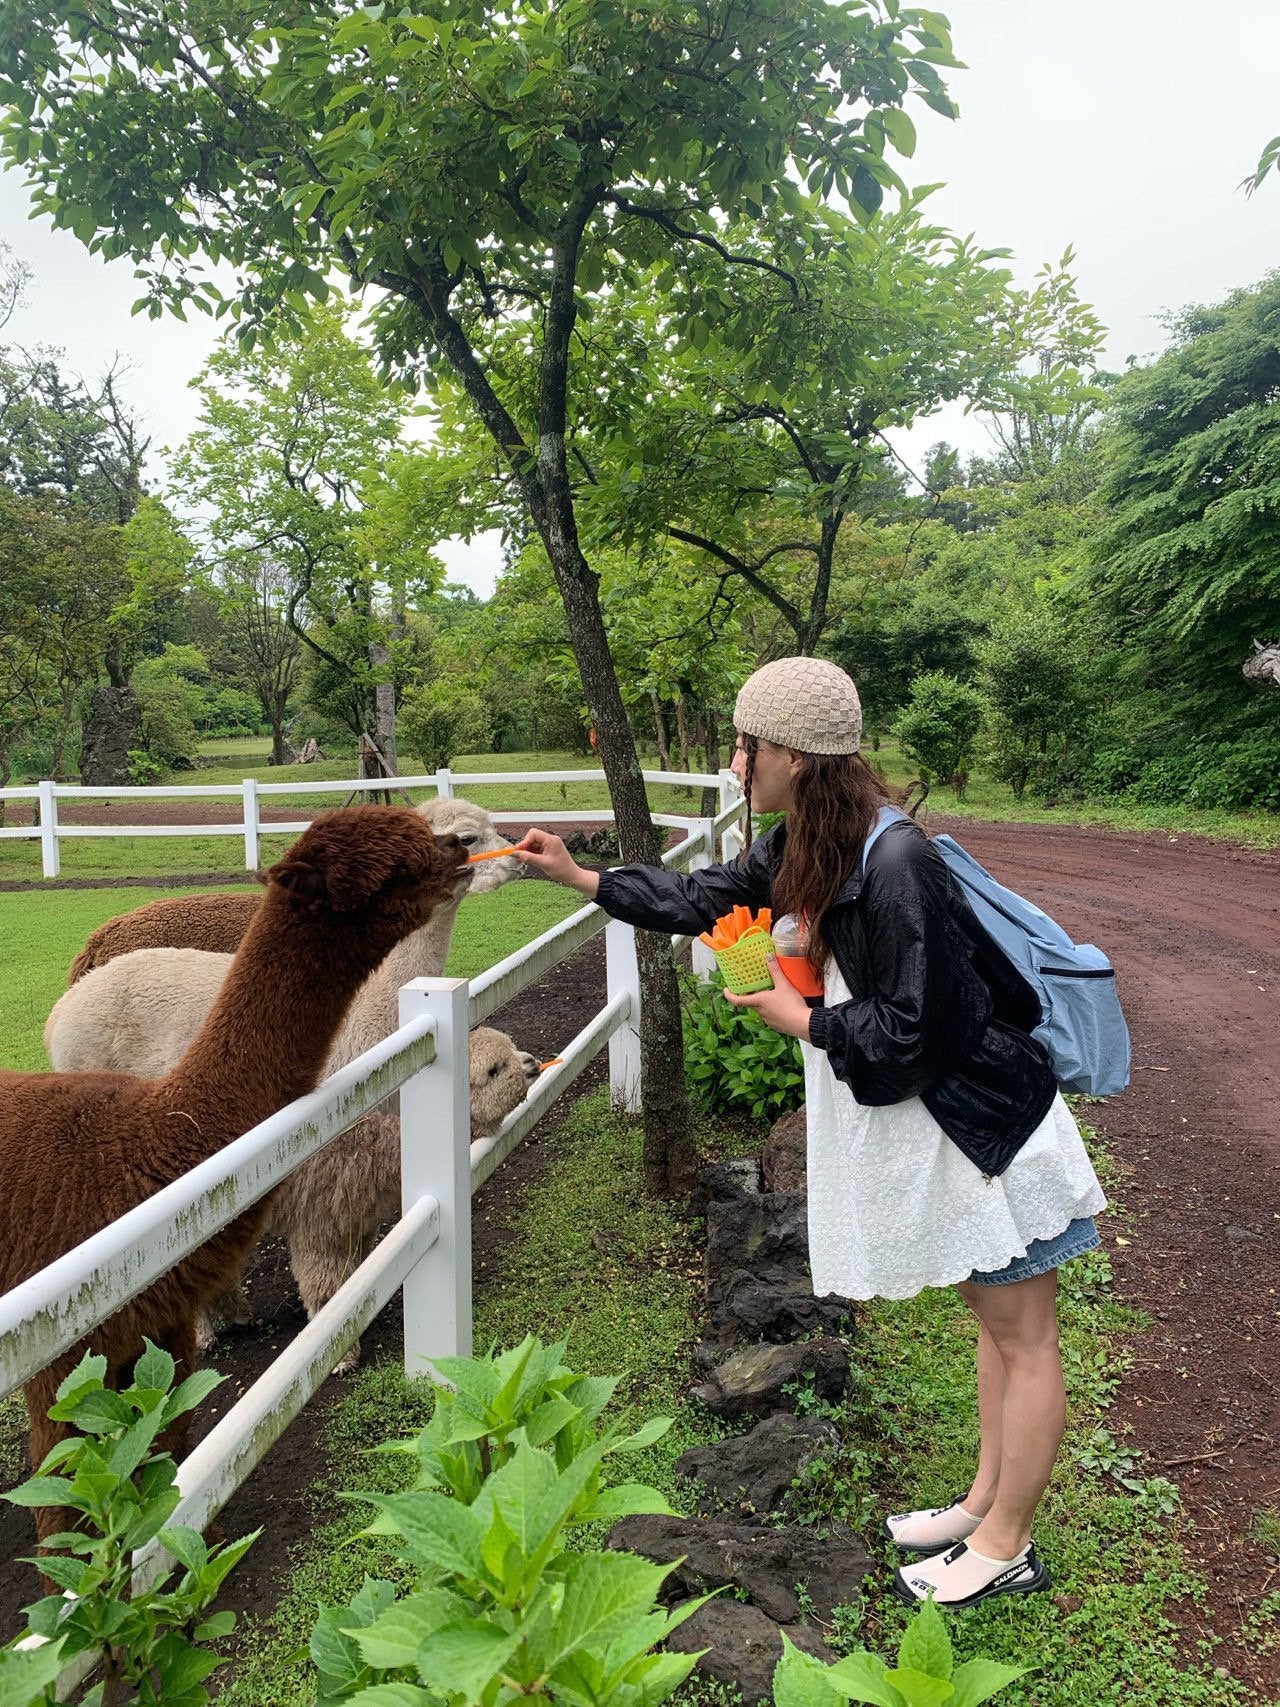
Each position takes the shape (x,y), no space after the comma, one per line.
(215,922)
(79,1149)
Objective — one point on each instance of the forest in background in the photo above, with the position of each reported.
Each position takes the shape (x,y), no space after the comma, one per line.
(1069,614)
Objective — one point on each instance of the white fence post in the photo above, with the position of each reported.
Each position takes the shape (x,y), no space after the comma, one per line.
(49,851)
(444,783)
(622,972)
(704,960)
(731,839)
(435,1161)
(249,788)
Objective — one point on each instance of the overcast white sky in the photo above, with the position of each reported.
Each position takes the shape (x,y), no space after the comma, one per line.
(1121,127)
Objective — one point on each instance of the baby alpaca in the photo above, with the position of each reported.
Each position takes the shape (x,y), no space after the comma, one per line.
(331,1215)
(77,1150)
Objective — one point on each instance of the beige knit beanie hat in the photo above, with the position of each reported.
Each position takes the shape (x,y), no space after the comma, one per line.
(806,704)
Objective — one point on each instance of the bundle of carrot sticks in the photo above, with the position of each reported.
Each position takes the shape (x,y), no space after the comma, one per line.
(737,924)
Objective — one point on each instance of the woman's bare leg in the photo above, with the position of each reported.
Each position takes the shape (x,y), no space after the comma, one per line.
(1023,1413)
(986,1478)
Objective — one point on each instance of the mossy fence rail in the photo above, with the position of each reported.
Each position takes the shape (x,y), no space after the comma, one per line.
(427,1254)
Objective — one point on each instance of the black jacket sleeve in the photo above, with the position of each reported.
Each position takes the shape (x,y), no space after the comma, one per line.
(656,899)
(916,1013)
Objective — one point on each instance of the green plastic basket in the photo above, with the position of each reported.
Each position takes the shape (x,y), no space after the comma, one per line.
(743,964)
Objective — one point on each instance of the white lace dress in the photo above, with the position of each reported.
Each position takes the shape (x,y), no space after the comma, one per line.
(894,1206)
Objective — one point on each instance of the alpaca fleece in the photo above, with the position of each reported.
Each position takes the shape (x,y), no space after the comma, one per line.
(79,1150)
(213,922)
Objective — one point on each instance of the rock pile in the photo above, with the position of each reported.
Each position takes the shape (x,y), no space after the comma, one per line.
(767,1337)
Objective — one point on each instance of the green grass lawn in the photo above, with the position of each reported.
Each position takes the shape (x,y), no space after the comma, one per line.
(43,931)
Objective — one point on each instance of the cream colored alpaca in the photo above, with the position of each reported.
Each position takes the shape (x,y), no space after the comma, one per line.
(138,1012)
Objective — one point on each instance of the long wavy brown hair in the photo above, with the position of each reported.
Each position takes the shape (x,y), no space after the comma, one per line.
(836,798)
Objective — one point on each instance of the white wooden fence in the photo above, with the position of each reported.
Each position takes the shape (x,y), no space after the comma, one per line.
(428,1252)
(251,794)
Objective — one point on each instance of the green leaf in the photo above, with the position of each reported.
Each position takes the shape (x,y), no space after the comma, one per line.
(549,1418)
(627,1499)
(192,1392)
(393,1695)
(900,129)
(133,1446)
(978,1680)
(438,1529)
(182,1666)
(186,1545)
(865,1677)
(334,1652)
(96,1411)
(393,1639)
(25,1675)
(155,1368)
(801,1681)
(604,1594)
(925,1643)
(919,1689)
(466,1657)
(215,1627)
(39,1490)
(517,1490)
(653,1430)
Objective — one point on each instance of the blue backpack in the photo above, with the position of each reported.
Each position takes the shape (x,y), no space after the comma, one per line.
(1083,1028)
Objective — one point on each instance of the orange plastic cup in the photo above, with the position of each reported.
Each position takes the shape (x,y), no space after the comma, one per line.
(797,970)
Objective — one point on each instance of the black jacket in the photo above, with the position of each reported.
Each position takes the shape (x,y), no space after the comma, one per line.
(938,1011)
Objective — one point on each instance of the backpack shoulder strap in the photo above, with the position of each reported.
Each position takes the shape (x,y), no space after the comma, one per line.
(886,816)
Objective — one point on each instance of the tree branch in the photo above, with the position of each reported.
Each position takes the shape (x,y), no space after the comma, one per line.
(666,219)
(749,571)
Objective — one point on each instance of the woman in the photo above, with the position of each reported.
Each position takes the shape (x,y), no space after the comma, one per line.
(939,1151)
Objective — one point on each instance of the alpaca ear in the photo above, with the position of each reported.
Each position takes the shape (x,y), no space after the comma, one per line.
(299,877)
(450,851)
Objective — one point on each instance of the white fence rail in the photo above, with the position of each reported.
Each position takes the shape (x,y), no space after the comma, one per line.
(50,832)
(427,1254)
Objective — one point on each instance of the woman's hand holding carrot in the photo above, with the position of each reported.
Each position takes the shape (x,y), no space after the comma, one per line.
(547,853)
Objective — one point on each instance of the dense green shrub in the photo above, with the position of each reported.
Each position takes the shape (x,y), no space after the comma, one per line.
(1038,697)
(506,1602)
(442,719)
(168,731)
(1228,775)
(153,1645)
(733,1060)
(940,725)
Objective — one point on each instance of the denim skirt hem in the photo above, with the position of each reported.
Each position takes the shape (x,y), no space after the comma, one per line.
(1075,1238)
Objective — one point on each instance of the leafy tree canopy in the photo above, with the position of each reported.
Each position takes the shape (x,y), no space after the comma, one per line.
(1187,559)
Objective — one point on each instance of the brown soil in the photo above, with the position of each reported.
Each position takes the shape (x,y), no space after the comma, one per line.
(1194,930)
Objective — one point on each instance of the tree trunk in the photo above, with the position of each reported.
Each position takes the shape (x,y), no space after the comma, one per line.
(667,1155)
(541,472)
(110,730)
(682,732)
(660,732)
(275,712)
(384,705)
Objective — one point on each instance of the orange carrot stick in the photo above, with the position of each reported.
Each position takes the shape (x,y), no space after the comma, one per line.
(493,853)
(543,1065)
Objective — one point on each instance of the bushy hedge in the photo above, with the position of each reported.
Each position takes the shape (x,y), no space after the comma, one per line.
(733,1060)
